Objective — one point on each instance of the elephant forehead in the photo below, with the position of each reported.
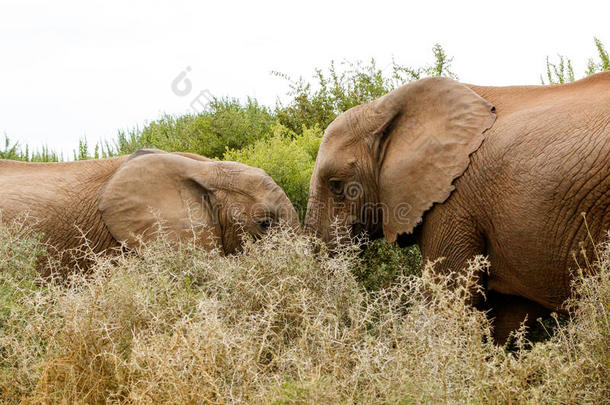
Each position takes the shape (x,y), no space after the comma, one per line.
(239,169)
(347,129)
(343,124)
(239,176)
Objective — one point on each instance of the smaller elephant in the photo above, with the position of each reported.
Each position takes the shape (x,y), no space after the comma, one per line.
(124,200)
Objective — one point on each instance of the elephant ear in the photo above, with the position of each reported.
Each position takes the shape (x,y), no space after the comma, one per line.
(154,189)
(436,124)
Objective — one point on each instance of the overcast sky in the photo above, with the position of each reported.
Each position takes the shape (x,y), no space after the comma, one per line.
(73,69)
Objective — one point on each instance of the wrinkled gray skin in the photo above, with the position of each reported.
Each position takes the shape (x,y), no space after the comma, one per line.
(511,182)
(120,200)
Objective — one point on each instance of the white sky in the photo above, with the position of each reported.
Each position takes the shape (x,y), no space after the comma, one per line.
(70,69)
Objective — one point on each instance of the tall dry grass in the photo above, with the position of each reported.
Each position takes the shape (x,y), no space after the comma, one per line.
(277,324)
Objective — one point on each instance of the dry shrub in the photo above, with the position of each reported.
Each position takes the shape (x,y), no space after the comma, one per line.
(277,324)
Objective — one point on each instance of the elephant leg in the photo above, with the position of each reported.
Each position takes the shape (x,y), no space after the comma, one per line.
(509,311)
(454,237)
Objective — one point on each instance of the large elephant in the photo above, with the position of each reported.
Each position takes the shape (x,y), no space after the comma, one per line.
(124,199)
(465,170)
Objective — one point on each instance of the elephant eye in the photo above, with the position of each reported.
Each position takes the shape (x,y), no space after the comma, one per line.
(336,186)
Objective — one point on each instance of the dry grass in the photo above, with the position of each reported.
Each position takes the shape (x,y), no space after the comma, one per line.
(277,325)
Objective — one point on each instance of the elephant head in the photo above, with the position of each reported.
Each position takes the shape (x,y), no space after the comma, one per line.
(191,197)
(382,165)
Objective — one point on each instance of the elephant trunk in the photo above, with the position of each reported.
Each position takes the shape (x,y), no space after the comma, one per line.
(314,224)
(314,218)
(290,215)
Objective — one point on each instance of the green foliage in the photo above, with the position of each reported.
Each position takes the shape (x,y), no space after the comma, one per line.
(287,157)
(334,92)
(228,124)
(383,263)
(338,90)
(46,154)
(559,73)
(82,153)
(563,72)
(10,150)
(440,67)
(604,60)
(13,151)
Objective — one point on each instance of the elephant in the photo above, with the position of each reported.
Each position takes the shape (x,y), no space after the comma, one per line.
(520,174)
(122,201)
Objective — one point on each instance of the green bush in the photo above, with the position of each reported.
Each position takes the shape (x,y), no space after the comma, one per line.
(228,124)
(338,90)
(287,157)
(383,263)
